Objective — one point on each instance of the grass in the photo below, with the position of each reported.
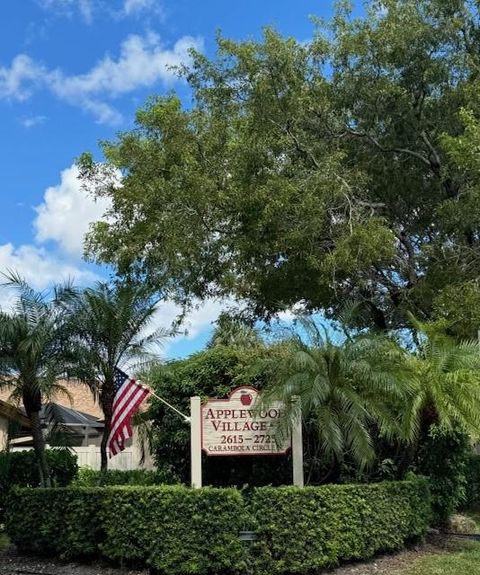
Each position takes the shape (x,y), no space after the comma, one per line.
(4,543)
(465,560)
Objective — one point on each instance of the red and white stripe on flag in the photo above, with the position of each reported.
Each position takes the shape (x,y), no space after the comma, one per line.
(127,399)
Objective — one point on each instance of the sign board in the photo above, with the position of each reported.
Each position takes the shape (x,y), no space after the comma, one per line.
(234,426)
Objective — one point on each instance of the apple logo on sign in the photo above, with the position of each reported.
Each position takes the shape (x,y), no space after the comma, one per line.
(246,398)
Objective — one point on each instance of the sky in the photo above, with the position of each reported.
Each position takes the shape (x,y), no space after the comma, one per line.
(73,72)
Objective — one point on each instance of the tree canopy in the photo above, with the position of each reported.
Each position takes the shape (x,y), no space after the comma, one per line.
(311,172)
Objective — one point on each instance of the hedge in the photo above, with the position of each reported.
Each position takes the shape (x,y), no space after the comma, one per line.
(173,529)
(181,531)
(88,477)
(472,490)
(303,530)
(20,469)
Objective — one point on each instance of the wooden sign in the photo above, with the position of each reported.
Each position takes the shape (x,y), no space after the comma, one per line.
(236,426)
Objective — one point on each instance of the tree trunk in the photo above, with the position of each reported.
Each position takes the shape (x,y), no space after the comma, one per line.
(106,401)
(103,445)
(39,448)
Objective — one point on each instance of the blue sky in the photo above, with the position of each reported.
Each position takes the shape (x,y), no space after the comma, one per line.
(73,72)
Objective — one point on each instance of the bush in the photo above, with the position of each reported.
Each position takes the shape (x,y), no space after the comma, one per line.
(443,458)
(472,473)
(64,522)
(304,530)
(179,531)
(211,373)
(19,468)
(88,477)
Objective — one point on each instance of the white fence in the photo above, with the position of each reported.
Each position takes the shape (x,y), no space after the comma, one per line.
(90,457)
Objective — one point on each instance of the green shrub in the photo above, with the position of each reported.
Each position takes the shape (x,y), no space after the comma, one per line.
(472,474)
(19,469)
(174,529)
(443,458)
(177,529)
(64,522)
(304,530)
(88,477)
(181,531)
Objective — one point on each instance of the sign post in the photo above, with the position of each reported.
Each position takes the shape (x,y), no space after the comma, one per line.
(236,426)
(196,441)
(297,444)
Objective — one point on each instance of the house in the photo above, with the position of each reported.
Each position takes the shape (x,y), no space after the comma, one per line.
(11,420)
(75,419)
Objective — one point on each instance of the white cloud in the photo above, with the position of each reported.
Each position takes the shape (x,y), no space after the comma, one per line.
(69,8)
(143,61)
(38,267)
(198,320)
(66,212)
(135,6)
(19,79)
(31,121)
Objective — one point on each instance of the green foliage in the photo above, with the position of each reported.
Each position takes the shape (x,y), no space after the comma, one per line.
(443,458)
(212,373)
(64,522)
(110,322)
(179,531)
(472,488)
(35,351)
(175,530)
(310,172)
(20,469)
(305,530)
(346,391)
(233,332)
(447,376)
(88,477)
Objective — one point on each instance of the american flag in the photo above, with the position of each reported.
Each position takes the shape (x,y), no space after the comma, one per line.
(128,396)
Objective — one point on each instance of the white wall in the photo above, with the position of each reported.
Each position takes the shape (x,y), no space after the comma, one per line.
(89,456)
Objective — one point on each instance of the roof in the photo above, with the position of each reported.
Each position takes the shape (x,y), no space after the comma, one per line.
(70,417)
(11,412)
(82,399)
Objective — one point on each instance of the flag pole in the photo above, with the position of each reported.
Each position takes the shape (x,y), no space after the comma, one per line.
(185,417)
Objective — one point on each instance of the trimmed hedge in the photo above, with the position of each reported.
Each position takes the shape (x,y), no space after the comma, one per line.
(180,531)
(173,529)
(303,530)
(63,522)
(472,490)
(20,469)
(88,477)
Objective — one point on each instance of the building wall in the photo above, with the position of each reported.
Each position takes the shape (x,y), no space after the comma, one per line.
(3,432)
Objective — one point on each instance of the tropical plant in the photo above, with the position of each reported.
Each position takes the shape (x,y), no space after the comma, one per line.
(447,380)
(35,351)
(110,323)
(233,332)
(345,390)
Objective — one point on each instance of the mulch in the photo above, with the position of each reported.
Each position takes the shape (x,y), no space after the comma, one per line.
(13,564)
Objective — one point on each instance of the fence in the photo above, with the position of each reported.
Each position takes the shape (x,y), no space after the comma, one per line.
(89,456)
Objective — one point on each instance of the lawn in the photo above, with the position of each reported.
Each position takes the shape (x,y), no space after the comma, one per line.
(465,560)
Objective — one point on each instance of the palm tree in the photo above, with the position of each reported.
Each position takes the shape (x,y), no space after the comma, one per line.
(345,389)
(109,322)
(233,332)
(447,379)
(35,352)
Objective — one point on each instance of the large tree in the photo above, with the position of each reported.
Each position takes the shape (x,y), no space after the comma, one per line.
(309,171)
